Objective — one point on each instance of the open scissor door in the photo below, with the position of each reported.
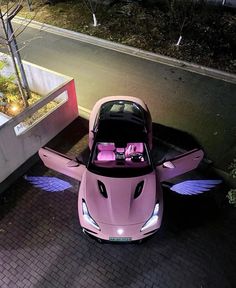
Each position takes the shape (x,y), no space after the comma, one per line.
(61,163)
(179,165)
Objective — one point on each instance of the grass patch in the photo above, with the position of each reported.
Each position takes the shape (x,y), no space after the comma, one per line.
(11,102)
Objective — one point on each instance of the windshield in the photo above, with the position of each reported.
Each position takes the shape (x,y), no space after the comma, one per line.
(130,161)
(121,122)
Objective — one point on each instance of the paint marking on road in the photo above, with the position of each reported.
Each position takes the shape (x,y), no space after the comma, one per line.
(218,74)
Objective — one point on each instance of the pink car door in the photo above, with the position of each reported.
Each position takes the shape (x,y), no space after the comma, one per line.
(61,163)
(179,165)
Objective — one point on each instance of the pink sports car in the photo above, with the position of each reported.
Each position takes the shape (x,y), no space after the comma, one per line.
(120,194)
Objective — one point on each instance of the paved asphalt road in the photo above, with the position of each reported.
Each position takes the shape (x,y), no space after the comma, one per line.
(202,106)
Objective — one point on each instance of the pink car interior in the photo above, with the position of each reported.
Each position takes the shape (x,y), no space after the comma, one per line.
(106,152)
(106,155)
(106,147)
(133,148)
(120,150)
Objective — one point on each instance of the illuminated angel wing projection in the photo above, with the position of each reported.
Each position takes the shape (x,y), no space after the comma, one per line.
(194,187)
(49,184)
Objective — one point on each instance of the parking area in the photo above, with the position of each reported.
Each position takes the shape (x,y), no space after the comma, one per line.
(42,244)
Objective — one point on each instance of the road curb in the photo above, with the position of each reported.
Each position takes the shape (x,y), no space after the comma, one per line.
(154,57)
(84,112)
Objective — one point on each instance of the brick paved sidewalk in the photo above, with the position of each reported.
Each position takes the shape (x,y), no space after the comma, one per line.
(42,245)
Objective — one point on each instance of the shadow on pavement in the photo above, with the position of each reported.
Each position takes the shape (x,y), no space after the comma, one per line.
(176,137)
(186,212)
(73,137)
(169,142)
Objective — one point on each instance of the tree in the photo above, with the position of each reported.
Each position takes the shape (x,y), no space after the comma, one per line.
(92,7)
(181,14)
(9,39)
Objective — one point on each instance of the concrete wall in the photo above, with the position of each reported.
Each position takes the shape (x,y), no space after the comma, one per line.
(3,118)
(15,150)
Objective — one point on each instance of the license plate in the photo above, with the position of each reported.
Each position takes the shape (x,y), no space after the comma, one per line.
(120,239)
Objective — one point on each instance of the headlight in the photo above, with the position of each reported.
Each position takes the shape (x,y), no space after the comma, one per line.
(153,219)
(87,216)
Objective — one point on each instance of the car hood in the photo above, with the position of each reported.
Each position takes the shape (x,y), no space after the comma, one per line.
(120,207)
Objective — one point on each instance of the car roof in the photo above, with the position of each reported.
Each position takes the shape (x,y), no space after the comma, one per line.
(121,122)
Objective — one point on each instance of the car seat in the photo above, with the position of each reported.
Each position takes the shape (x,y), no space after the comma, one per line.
(133,148)
(106,152)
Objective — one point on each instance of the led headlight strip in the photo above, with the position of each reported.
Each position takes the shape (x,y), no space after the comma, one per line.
(153,219)
(87,216)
